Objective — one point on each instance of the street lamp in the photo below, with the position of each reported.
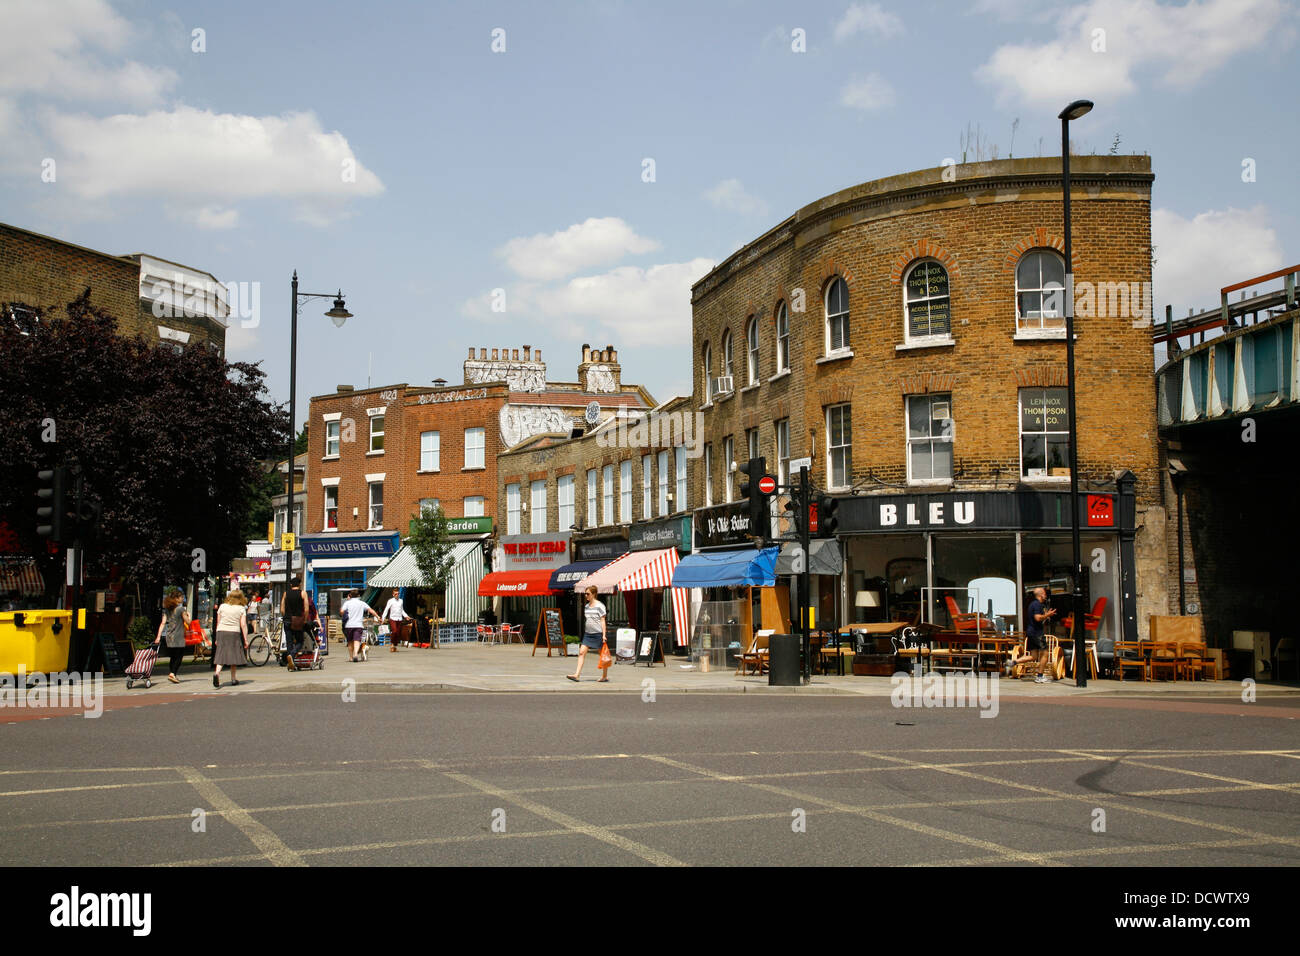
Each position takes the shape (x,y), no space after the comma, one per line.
(1072,112)
(339,314)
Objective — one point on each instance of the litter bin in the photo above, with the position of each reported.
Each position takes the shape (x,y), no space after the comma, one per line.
(783,660)
(35,641)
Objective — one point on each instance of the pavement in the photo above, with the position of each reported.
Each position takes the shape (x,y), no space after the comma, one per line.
(515,669)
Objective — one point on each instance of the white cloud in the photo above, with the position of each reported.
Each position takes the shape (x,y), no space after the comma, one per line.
(1186,42)
(1197,257)
(871,92)
(201,160)
(582,245)
(55,49)
(870,18)
(215,217)
(731,196)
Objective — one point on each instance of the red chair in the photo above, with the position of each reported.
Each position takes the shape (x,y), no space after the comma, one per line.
(962,622)
(1091,622)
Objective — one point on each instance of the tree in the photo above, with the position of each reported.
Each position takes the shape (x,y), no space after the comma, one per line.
(300,442)
(432,546)
(171,444)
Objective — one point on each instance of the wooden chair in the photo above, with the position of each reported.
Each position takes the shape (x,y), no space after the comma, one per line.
(961,621)
(1129,654)
(1164,656)
(754,660)
(1194,659)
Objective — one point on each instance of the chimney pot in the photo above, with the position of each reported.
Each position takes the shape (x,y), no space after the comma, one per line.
(482,354)
(527,349)
(471,351)
(494,355)
(537,356)
(514,355)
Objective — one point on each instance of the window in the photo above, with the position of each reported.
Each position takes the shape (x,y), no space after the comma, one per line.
(926,288)
(564,496)
(473,507)
(751,442)
(837,316)
(430,451)
(929,437)
(751,347)
(783,451)
(728,459)
(537,505)
(708,475)
(682,497)
(708,373)
(592,519)
(376,504)
(608,502)
(663,483)
(1040,292)
(782,339)
(512,509)
(332,439)
(429,505)
(376,432)
(625,491)
(839,446)
(331,512)
(474,444)
(646,485)
(1044,433)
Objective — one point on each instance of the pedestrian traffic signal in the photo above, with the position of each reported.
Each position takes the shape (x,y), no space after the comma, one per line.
(52,492)
(753,470)
(826,520)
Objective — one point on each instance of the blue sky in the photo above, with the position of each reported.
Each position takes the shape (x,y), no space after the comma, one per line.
(522,170)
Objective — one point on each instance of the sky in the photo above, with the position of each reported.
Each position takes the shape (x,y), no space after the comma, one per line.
(496,174)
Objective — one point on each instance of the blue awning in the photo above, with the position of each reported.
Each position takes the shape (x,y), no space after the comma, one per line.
(566,577)
(719,569)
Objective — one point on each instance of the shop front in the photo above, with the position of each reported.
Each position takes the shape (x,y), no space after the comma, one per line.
(931,556)
(344,560)
(520,582)
(652,611)
(590,554)
(453,605)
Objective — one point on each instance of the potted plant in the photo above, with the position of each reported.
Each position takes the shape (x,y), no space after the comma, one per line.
(571,643)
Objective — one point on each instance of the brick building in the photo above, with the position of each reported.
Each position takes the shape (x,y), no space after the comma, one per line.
(158,300)
(907,335)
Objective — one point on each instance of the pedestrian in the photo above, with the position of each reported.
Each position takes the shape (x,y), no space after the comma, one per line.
(354,611)
(232,636)
(293,612)
(175,622)
(313,626)
(264,608)
(1036,618)
(593,636)
(398,620)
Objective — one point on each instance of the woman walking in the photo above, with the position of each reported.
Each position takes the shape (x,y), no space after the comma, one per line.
(593,635)
(231,637)
(175,622)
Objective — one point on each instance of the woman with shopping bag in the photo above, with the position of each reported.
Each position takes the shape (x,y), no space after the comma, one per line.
(593,637)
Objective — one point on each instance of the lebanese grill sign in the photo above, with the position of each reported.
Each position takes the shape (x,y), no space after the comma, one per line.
(534,552)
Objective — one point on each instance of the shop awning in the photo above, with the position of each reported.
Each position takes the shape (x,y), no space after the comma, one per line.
(824,557)
(570,574)
(515,584)
(718,569)
(402,571)
(20,574)
(633,571)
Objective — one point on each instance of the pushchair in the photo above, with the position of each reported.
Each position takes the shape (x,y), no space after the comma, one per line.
(312,657)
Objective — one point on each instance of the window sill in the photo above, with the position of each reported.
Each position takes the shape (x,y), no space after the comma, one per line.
(750,388)
(1045,480)
(719,399)
(1039,335)
(706,406)
(373,454)
(835,357)
(330,458)
(436,471)
(930,483)
(778,376)
(932,343)
(473,468)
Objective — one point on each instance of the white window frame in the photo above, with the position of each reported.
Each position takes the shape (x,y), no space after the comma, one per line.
(782,451)
(326,526)
(607,495)
(663,483)
(751,346)
(1020,422)
(624,491)
(336,426)
(708,474)
(930,401)
(475,450)
(647,488)
(593,495)
(836,317)
(513,502)
(683,491)
(846,449)
(728,460)
(726,355)
(931,338)
(1036,327)
(782,339)
(708,372)
(473,506)
(372,450)
(431,457)
(564,502)
(751,442)
(431,503)
(537,506)
(372,525)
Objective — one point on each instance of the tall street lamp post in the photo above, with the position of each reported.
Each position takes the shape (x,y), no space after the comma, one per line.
(1072,112)
(339,314)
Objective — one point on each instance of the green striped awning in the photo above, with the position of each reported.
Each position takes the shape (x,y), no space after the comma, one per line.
(463,602)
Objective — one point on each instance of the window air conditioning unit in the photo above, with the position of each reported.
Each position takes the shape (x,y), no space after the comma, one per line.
(725,383)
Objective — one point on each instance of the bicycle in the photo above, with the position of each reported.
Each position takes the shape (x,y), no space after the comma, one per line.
(263,646)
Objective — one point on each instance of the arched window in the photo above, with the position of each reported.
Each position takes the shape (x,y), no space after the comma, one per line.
(782,339)
(708,373)
(1040,292)
(837,316)
(751,349)
(926,291)
(726,354)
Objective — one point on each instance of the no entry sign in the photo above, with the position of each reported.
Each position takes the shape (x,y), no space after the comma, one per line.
(767,484)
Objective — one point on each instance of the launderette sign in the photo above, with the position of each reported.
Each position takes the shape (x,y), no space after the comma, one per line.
(342,546)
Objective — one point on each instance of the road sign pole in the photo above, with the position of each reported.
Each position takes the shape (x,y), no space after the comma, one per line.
(805,598)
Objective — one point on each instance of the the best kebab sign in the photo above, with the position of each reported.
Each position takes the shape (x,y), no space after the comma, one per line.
(534,552)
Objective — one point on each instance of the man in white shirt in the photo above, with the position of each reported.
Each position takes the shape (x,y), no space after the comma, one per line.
(398,621)
(354,611)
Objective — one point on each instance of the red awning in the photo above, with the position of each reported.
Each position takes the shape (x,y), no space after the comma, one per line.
(515,584)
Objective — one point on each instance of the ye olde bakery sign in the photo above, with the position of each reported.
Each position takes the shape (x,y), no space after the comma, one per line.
(723,525)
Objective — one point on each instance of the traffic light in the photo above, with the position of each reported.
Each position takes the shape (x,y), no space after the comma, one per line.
(53,495)
(796,513)
(753,470)
(826,520)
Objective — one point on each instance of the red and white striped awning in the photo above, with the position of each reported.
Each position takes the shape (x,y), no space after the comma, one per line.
(634,571)
(21,575)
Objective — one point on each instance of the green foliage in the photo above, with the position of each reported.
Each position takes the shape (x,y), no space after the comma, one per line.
(432,546)
(139,632)
(300,443)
